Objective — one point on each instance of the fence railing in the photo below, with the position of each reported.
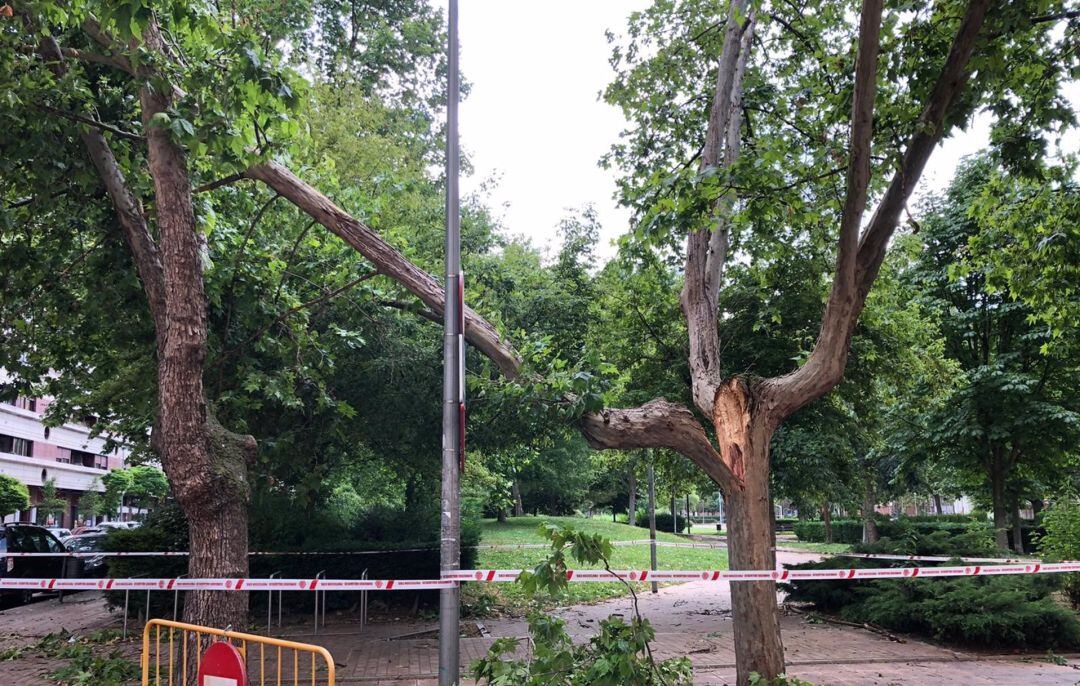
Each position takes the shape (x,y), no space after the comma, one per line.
(172,654)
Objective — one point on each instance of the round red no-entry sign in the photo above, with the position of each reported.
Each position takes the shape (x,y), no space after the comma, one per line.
(222,665)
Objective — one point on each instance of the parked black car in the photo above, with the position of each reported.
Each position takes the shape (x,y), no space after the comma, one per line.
(27,538)
(87,543)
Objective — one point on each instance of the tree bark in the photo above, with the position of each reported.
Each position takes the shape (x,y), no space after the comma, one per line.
(939,509)
(631,508)
(206,465)
(758,646)
(826,518)
(1017,526)
(870,530)
(515,491)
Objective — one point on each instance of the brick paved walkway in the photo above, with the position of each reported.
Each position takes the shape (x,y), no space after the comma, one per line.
(26,625)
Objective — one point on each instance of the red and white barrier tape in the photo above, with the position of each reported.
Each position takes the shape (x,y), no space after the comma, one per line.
(509,575)
(186,584)
(584,575)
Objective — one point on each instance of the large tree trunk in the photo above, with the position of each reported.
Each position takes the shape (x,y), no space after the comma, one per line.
(758,647)
(631,508)
(206,465)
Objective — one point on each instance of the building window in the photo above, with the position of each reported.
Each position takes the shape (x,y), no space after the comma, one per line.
(81,457)
(16,446)
(101,462)
(26,403)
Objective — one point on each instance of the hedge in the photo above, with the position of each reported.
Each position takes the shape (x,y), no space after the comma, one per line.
(786,523)
(663,521)
(990,612)
(382,533)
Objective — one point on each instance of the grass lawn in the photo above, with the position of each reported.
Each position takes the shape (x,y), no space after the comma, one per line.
(815,547)
(488,598)
(706,530)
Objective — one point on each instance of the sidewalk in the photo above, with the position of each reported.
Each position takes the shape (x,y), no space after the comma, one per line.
(692,619)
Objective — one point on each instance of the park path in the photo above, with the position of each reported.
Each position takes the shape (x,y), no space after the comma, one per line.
(694,620)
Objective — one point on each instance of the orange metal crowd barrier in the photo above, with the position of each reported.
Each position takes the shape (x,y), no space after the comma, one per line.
(172,654)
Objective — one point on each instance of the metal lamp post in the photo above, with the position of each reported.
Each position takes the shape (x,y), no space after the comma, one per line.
(453,440)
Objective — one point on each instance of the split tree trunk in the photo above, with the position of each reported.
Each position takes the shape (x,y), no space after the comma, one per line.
(758,646)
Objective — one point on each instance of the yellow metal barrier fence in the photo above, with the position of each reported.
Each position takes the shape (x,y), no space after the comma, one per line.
(186,643)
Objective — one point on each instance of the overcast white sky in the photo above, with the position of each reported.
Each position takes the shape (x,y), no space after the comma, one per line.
(533,120)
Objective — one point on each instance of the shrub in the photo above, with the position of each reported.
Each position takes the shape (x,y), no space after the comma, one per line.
(935,519)
(909,536)
(976,541)
(1061,541)
(991,612)
(844,531)
(663,521)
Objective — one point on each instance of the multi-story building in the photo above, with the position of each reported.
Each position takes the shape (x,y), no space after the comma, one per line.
(34,453)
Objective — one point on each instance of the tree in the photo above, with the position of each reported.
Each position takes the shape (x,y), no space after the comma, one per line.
(92,501)
(778,188)
(118,483)
(52,506)
(1010,415)
(140,93)
(148,485)
(14,495)
(931,57)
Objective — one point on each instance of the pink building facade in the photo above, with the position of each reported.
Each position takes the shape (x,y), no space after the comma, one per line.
(34,454)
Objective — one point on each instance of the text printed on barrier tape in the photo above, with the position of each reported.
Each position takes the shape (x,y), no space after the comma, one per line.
(451,579)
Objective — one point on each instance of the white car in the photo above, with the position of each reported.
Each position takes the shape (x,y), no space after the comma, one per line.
(59,532)
(119,525)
